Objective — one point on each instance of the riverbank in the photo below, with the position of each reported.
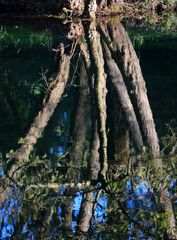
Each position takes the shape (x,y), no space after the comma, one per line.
(87,9)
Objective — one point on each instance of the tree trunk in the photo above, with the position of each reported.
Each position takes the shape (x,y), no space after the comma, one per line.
(92,7)
(132,71)
(100,94)
(121,90)
(80,126)
(67,215)
(85,214)
(86,211)
(21,156)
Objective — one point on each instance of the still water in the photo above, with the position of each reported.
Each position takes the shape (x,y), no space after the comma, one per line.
(59,182)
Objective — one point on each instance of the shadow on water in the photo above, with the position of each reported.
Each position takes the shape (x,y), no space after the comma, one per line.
(86,162)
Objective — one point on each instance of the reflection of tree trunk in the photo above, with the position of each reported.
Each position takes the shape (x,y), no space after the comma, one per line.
(119,135)
(85,214)
(86,211)
(80,126)
(21,156)
(67,214)
(94,163)
(170,217)
(133,72)
(87,205)
(103,4)
(94,154)
(100,94)
(121,90)
(78,143)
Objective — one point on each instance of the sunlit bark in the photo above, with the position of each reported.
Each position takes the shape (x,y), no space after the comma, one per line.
(75,6)
(115,4)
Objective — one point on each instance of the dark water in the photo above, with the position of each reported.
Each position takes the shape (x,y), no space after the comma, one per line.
(127,208)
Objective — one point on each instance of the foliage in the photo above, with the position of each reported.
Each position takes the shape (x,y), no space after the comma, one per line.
(138,40)
(24,37)
(170,2)
(169,22)
(151,30)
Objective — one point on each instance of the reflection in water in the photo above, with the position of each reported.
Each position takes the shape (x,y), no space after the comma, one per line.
(80,185)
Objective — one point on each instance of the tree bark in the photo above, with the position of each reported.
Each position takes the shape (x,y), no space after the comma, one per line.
(76,6)
(94,163)
(116,4)
(121,90)
(100,94)
(132,71)
(86,211)
(92,7)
